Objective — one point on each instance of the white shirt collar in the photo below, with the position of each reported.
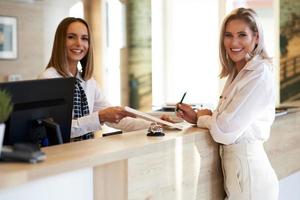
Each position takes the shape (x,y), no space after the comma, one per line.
(252,64)
(78,75)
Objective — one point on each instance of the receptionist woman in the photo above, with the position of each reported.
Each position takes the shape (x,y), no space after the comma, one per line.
(73,44)
(246,110)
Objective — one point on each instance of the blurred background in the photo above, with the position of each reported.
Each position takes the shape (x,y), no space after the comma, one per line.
(148,53)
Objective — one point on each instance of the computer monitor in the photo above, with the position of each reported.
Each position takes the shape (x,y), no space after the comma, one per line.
(42,111)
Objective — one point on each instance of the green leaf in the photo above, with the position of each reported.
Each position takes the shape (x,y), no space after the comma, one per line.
(6,106)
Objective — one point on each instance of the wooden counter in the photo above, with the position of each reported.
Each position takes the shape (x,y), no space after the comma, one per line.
(181,165)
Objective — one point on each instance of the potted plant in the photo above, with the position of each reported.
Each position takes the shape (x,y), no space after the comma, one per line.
(5,111)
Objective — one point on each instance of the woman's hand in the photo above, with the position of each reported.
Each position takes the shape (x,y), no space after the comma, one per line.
(203,112)
(167,118)
(113,114)
(187,113)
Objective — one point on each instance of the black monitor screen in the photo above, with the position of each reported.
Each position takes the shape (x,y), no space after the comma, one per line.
(42,111)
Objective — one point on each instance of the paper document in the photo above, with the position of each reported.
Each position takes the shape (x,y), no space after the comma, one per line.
(151,118)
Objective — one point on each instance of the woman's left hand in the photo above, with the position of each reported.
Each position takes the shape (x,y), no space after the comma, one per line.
(201,112)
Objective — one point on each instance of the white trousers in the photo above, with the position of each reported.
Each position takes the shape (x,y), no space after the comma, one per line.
(248,174)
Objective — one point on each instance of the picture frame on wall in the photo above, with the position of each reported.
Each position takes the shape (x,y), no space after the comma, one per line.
(8,37)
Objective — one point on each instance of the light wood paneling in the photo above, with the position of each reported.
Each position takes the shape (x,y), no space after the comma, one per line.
(110,181)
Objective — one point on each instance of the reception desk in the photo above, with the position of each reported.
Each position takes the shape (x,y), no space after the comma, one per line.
(181,165)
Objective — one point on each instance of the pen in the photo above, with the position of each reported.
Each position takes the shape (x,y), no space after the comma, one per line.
(181,100)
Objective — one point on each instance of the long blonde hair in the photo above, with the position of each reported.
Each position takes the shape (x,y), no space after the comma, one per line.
(58,58)
(249,16)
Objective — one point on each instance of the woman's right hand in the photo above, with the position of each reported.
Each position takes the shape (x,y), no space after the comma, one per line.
(187,113)
(113,114)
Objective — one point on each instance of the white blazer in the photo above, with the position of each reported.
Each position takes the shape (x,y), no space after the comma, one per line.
(246,108)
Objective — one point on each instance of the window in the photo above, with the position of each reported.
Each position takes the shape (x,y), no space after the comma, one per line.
(185,36)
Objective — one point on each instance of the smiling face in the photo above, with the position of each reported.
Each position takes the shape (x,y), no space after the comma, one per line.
(77,43)
(239,40)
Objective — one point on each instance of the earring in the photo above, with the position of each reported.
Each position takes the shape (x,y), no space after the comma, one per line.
(248,56)
(226,55)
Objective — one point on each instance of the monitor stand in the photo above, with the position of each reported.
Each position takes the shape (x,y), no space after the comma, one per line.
(46,132)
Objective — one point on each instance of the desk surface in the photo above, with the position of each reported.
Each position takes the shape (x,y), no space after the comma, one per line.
(283,150)
(89,153)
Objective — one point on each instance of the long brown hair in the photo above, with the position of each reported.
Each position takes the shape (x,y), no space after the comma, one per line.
(58,58)
(249,16)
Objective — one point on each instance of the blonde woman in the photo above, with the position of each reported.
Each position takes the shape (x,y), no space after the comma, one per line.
(246,110)
(73,44)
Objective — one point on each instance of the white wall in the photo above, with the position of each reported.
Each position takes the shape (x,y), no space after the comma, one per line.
(76,185)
